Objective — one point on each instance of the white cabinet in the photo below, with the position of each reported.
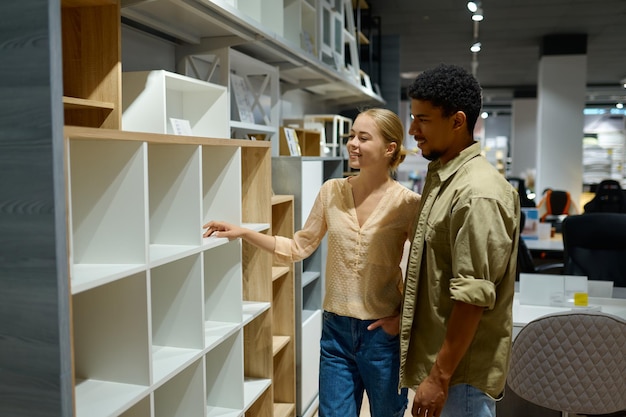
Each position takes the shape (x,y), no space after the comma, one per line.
(165,322)
(302,177)
(151,99)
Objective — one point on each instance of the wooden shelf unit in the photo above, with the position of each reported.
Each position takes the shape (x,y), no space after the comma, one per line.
(91,62)
(308,140)
(302,177)
(283,314)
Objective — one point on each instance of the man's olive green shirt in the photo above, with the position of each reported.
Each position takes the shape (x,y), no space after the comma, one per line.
(464,249)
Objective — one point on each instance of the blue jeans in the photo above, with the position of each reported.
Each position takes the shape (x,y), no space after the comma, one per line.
(354,359)
(467,401)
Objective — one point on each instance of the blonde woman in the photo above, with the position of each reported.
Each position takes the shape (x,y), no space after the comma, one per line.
(368,218)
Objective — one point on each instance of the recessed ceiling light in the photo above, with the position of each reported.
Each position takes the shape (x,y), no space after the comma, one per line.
(409,75)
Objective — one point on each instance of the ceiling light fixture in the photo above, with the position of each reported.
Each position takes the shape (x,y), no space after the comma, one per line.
(478,15)
(619,105)
(475,47)
(472,6)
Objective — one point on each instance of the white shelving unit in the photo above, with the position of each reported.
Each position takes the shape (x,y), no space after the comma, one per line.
(165,322)
(272,31)
(334,128)
(260,83)
(151,98)
(300,28)
(302,177)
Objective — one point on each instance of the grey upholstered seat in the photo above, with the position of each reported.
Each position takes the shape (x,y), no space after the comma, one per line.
(573,362)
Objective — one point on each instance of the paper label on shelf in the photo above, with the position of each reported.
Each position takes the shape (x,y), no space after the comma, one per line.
(180,127)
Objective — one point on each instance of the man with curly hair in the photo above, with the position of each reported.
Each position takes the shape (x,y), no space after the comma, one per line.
(456,325)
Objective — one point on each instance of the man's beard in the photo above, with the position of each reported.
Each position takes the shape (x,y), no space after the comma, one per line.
(432,155)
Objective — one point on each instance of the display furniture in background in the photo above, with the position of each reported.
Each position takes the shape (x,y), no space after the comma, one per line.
(302,177)
(253,85)
(306,141)
(334,130)
(312,58)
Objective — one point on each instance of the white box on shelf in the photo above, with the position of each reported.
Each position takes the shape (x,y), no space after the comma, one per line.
(151,98)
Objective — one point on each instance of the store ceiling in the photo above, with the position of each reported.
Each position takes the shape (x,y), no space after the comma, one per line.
(511,33)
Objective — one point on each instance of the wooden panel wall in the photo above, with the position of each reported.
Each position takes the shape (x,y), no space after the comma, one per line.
(35,354)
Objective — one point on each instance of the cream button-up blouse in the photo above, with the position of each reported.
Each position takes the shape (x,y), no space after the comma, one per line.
(363,275)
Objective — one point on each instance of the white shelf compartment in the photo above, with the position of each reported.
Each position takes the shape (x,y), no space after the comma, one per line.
(269,13)
(107,211)
(141,409)
(111,347)
(177,324)
(175,210)
(261,81)
(309,371)
(151,98)
(221,185)
(222,281)
(224,377)
(300,22)
(183,395)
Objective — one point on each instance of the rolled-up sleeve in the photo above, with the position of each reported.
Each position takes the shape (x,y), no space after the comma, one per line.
(481,258)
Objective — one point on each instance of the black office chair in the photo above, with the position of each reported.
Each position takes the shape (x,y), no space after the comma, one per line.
(595,245)
(520,185)
(609,198)
(557,206)
(525,261)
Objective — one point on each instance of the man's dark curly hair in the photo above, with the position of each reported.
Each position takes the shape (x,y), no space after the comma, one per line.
(450,88)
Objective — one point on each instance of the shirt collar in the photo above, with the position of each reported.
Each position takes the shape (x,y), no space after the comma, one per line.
(445,171)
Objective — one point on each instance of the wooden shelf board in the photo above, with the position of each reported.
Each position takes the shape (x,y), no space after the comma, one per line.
(363,40)
(280,198)
(278,343)
(284,409)
(87,3)
(75,103)
(279,271)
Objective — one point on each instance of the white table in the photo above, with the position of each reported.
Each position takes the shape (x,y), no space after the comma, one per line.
(552,244)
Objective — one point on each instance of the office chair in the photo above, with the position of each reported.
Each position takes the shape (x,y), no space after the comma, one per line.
(572,362)
(525,261)
(555,206)
(520,185)
(609,198)
(594,245)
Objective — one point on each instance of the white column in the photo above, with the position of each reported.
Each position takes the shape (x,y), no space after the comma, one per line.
(523,136)
(560,124)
